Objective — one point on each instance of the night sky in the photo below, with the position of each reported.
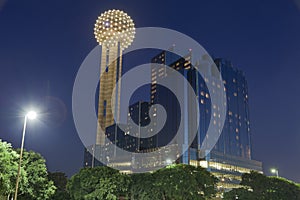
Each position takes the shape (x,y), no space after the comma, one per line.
(43,43)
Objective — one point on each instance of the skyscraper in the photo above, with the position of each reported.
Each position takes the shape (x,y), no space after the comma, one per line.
(114,31)
(231,156)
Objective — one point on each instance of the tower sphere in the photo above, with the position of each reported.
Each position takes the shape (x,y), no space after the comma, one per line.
(114,26)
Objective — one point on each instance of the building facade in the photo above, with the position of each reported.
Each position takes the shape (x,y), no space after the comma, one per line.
(231,156)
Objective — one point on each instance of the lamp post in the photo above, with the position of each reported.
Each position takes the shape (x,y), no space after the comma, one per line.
(275,171)
(29,115)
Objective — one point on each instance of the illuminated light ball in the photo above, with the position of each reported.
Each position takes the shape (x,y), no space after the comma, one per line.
(114,26)
(31,115)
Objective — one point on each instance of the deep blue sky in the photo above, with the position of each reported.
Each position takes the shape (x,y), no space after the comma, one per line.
(42,44)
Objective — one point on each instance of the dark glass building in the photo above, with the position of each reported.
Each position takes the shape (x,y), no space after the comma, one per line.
(231,156)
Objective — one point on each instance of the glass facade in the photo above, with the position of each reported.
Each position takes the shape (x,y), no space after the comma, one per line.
(231,156)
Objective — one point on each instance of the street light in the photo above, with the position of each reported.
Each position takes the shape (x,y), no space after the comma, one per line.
(30,115)
(275,171)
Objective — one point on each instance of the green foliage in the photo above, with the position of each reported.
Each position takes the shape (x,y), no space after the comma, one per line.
(262,187)
(174,182)
(185,182)
(98,183)
(143,187)
(33,182)
(8,170)
(60,181)
(241,193)
(39,187)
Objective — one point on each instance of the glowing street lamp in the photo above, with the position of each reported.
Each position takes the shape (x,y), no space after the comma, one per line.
(30,115)
(275,171)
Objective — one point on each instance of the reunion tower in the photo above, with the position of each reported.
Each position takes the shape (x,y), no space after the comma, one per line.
(114,31)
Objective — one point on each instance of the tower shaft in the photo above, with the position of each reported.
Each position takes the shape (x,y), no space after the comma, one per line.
(111,72)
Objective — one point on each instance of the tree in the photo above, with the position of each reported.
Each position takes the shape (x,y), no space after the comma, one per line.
(98,183)
(261,187)
(38,187)
(174,182)
(143,187)
(60,181)
(241,193)
(8,170)
(185,182)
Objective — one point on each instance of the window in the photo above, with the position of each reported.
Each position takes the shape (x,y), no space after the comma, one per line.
(161,69)
(187,63)
(104,109)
